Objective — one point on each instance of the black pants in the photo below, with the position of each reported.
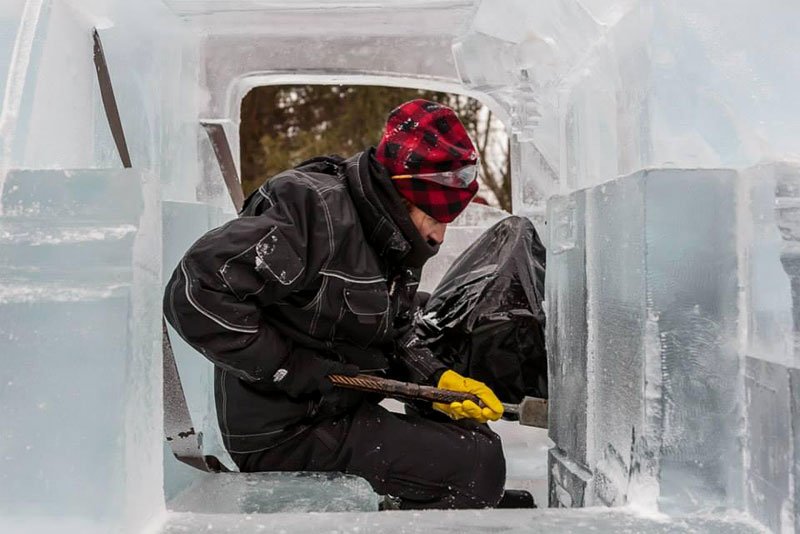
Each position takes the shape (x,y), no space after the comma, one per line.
(424,462)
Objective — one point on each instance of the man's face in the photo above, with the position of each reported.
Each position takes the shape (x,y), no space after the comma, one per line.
(429,228)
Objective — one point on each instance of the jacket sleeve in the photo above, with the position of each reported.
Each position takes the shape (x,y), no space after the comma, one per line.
(422,366)
(418,361)
(216,295)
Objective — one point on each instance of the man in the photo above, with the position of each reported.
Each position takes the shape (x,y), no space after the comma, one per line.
(318,276)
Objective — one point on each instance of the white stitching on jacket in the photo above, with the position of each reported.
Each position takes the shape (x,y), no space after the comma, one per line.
(335,187)
(224,380)
(220,321)
(318,310)
(266,196)
(317,296)
(328,221)
(341,276)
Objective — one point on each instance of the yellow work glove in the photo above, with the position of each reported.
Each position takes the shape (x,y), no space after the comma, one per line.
(453,381)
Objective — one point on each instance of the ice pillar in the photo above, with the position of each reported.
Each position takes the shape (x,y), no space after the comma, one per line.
(658,378)
(80,375)
(673,379)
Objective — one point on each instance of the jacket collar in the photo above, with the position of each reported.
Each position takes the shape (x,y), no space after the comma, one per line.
(385,219)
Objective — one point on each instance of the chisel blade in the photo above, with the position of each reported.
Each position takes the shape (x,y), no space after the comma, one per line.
(532,411)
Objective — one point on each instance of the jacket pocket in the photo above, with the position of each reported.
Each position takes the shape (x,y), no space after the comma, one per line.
(367,305)
(271,259)
(276,259)
(364,315)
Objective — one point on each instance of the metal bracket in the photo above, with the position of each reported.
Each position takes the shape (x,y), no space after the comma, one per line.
(185,442)
(110,101)
(219,141)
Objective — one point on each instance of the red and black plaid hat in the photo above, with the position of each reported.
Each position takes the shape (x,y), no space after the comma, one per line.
(430,157)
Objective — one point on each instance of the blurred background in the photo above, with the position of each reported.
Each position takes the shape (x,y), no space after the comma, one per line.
(282,125)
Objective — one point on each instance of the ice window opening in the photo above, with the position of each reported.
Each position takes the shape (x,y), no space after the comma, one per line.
(282,125)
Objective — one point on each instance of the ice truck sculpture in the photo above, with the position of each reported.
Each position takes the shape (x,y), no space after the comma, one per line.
(657,140)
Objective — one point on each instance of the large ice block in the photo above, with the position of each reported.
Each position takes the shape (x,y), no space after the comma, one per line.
(689,360)
(662,387)
(692,291)
(259,493)
(616,315)
(79,384)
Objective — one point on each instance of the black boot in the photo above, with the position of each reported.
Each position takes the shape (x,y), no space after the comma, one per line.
(516,499)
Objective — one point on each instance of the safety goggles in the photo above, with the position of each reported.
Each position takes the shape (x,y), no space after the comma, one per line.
(458,179)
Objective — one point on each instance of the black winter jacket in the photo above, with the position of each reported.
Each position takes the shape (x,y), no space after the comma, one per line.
(313,262)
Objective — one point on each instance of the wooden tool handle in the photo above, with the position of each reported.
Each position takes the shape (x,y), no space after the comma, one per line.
(404,390)
(531,411)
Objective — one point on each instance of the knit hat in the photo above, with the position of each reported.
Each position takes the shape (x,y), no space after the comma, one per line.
(430,158)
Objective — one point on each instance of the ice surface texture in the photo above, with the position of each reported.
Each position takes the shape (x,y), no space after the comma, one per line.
(682,410)
(458,521)
(597,89)
(81,262)
(78,296)
(258,493)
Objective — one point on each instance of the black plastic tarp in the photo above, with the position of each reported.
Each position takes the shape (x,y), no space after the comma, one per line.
(485,318)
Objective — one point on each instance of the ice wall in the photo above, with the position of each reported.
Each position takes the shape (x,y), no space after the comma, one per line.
(600,89)
(669,290)
(671,336)
(659,369)
(80,259)
(75,310)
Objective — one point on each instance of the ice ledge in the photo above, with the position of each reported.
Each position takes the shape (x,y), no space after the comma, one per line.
(248,494)
(592,520)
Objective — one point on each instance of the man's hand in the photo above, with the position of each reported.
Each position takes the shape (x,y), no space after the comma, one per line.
(453,381)
(303,373)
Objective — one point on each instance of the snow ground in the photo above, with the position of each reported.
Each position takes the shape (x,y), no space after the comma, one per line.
(526,458)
